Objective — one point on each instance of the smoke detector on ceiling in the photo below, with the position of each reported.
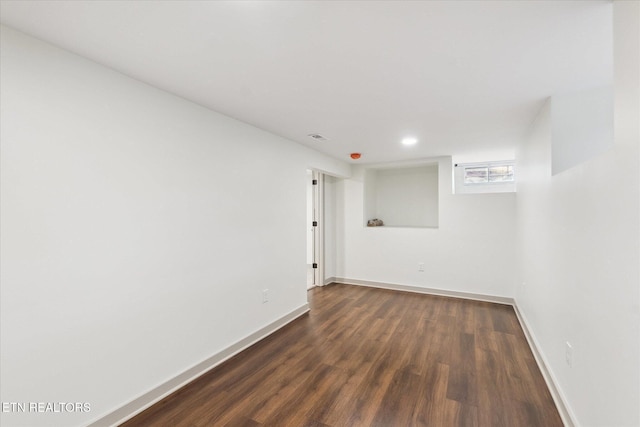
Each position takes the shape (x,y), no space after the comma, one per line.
(317,137)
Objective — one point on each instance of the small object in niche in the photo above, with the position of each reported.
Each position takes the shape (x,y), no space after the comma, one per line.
(375,223)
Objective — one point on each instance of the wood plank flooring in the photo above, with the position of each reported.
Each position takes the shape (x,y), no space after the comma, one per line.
(373,357)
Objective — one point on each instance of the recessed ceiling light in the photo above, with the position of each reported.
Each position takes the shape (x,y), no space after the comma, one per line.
(409,141)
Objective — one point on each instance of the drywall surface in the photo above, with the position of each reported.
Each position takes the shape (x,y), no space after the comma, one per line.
(330,227)
(472,250)
(578,243)
(138,233)
(581,126)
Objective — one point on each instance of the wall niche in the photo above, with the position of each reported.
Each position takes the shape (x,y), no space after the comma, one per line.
(402,196)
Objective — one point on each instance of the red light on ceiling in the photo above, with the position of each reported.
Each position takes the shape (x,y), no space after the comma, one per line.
(355,156)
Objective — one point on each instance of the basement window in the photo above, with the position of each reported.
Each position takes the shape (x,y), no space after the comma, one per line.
(486,174)
(486,177)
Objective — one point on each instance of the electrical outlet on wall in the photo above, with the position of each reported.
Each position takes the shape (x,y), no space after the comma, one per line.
(421,266)
(568,353)
(265,296)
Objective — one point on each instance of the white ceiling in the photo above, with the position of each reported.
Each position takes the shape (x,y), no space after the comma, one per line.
(463,77)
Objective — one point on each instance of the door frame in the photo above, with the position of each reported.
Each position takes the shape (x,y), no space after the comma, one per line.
(318,230)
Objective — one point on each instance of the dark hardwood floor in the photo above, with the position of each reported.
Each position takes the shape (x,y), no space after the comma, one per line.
(374,357)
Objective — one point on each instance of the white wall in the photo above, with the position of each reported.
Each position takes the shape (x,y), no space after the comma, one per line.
(581,126)
(579,256)
(472,250)
(138,231)
(330,227)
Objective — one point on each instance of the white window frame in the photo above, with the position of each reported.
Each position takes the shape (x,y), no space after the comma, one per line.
(462,187)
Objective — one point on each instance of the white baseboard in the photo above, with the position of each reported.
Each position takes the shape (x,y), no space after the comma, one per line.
(429,291)
(568,418)
(330,280)
(146,400)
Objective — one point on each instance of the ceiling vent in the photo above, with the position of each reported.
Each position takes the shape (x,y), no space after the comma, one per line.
(317,137)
